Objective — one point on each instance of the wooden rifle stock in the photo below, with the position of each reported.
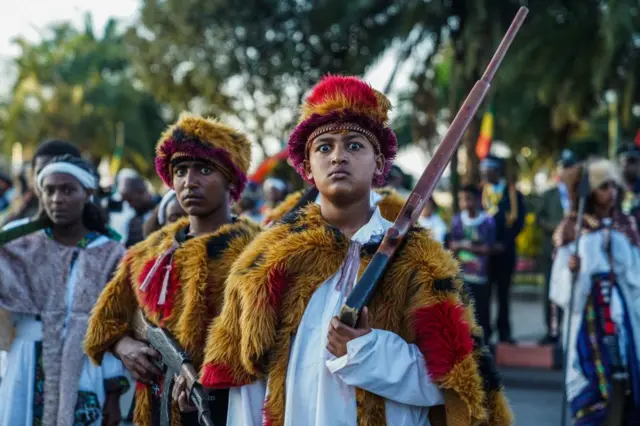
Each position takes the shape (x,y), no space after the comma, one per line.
(364,290)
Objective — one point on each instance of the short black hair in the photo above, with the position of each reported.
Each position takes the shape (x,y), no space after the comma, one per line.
(55,148)
(471,189)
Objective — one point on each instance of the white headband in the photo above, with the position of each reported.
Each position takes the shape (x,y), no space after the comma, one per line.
(85,178)
(162,208)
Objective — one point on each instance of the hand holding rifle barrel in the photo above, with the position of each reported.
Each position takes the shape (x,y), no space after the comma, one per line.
(364,290)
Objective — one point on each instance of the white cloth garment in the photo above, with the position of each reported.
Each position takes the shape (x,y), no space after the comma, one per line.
(17,388)
(320,388)
(595,260)
(435,224)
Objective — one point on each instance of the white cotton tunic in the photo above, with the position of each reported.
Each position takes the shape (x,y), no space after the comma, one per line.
(320,388)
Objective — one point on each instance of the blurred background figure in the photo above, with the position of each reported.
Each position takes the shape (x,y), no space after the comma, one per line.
(603,377)
(6,185)
(505,204)
(168,211)
(473,235)
(398,180)
(430,219)
(629,160)
(130,206)
(249,203)
(554,205)
(274,192)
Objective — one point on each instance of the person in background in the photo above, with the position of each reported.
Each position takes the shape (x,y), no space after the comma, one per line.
(168,211)
(274,192)
(50,281)
(397,179)
(629,160)
(249,203)
(130,206)
(28,205)
(431,220)
(554,205)
(603,377)
(502,201)
(6,183)
(473,234)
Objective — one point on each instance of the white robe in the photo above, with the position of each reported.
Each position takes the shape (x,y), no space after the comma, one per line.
(435,224)
(595,260)
(320,388)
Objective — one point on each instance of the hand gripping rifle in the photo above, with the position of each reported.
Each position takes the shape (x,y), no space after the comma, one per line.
(364,290)
(583,194)
(176,361)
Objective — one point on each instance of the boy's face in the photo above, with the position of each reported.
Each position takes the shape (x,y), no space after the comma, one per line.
(201,189)
(467,201)
(343,165)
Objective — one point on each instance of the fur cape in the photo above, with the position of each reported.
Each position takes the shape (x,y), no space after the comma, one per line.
(34,272)
(390,205)
(420,299)
(195,294)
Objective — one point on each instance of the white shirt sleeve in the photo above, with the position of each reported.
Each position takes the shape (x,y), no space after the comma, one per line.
(245,404)
(383,363)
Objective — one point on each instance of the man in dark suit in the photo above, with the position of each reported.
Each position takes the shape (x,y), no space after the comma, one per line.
(554,205)
(505,203)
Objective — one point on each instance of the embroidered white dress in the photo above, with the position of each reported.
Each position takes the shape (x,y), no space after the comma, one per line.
(320,388)
(22,387)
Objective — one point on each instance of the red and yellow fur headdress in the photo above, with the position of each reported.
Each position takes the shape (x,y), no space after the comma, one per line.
(206,139)
(341,103)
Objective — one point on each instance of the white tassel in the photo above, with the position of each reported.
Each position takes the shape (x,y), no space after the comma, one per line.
(165,283)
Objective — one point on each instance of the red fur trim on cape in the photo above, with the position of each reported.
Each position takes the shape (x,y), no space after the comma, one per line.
(267,419)
(150,297)
(218,376)
(443,336)
(277,284)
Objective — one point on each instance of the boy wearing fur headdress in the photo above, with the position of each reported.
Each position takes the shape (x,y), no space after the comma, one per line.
(177,275)
(278,342)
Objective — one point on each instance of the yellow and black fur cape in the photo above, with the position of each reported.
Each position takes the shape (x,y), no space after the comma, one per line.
(420,299)
(195,294)
(390,205)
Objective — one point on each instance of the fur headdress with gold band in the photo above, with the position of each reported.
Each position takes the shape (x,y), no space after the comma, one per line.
(209,140)
(340,103)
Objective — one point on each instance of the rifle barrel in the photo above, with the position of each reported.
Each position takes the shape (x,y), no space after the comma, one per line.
(364,290)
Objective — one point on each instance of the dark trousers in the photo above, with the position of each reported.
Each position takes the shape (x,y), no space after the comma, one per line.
(501,269)
(481,295)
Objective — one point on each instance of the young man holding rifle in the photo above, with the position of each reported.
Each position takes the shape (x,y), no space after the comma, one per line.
(177,275)
(278,341)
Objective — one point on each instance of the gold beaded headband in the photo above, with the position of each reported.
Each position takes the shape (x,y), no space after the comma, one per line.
(344,127)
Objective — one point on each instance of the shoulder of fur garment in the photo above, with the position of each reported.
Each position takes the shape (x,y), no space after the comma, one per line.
(390,205)
(420,298)
(199,269)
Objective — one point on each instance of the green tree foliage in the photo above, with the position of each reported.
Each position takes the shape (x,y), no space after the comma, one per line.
(75,85)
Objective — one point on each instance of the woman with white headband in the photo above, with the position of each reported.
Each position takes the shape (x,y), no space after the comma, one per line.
(49,281)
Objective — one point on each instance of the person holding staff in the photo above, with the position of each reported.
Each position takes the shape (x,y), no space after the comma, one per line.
(603,377)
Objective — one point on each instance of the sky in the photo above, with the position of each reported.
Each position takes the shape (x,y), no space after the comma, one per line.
(29,18)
